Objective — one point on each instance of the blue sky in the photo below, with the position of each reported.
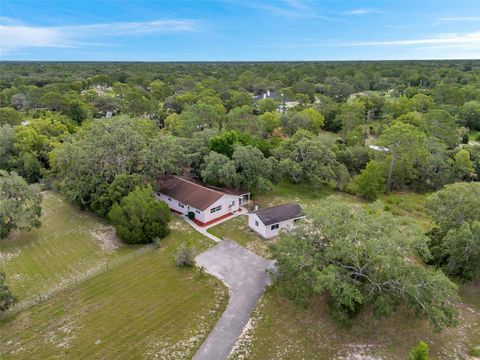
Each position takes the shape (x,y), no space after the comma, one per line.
(239,30)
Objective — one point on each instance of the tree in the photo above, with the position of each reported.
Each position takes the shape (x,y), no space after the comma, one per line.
(455,242)
(7,299)
(463,166)
(270,121)
(10,116)
(362,257)
(406,147)
(254,170)
(305,159)
(219,170)
(266,105)
(419,352)
(19,102)
(91,159)
(442,125)
(371,180)
(105,103)
(455,205)
(140,218)
(7,139)
(352,116)
(20,204)
(78,111)
(316,119)
(436,171)
(54,101)
(470,115)
(120,187)
(463,248)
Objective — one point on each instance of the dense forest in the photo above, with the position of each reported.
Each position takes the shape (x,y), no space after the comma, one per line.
(97,131)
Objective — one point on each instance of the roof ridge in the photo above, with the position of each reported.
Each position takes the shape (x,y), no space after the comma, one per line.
(199,185)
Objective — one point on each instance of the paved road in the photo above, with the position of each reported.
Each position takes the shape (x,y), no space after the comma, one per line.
(245,275)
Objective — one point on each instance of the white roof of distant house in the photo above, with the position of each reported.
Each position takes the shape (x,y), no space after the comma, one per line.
(378,148)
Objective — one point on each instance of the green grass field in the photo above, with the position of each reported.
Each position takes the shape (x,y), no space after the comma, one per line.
(70,242)
(237,230)
(286,192)
(145,308)
(281,330)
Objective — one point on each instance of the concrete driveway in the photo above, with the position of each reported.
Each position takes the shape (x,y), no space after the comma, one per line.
(246,276)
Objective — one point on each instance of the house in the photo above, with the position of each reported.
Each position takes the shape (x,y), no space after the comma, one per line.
(284,103)
(270,221)
(205,204)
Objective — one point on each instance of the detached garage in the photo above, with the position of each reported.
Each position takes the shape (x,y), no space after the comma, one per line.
(270,221)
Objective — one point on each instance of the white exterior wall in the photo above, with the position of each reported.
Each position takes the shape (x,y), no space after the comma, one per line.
(203,216)
(265,230)
(229,204)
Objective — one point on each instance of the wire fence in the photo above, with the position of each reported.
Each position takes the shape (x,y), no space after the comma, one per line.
(79,279)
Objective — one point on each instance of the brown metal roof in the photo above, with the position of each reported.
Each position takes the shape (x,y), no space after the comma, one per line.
(189,192)
(279,213)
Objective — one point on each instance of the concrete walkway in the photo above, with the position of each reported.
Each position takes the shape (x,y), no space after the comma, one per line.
(203,229)
(245,274)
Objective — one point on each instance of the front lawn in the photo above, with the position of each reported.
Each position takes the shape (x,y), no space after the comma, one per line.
(145,308)
(237,230)
(69,243)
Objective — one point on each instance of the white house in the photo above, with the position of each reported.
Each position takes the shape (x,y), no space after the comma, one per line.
(270,221)
(205,203)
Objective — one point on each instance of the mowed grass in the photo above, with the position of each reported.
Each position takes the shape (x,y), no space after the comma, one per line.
(69,243)
(307,197)
(282,330)
(237,230)
(145,308)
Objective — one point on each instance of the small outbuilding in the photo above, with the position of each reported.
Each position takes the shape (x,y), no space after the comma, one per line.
(270,221)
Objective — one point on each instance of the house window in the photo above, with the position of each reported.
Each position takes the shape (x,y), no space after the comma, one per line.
(273,227)
(215,209)
(169,199)
(256,223)
(181,205)
(197,211)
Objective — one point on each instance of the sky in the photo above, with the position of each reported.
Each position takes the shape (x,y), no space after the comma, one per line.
(229,30)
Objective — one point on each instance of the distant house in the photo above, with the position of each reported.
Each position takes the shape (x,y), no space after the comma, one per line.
(284,101)
(206,204)
(378,148)
(270,221)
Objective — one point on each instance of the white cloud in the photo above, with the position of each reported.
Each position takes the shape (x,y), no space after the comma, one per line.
(15,35)
(363,12)
(459,19)
(472,38)
(290,9)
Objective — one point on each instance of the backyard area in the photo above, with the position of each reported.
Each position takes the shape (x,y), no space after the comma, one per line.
(167,310)
(69,243)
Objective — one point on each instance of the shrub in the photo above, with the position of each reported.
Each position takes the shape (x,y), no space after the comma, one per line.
(185,255)
(7,299)
(191,215)
(419,352)
(140,218)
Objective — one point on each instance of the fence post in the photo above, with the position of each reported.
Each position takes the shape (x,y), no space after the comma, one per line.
(106,263)
(76,283)
(39,297)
